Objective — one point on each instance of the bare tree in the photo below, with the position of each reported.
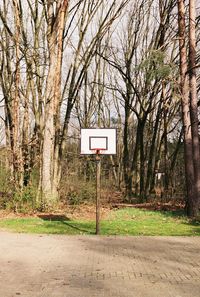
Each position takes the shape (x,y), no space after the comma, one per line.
(55,17)
(10,81)
(193,209)
(189,166)
(141,67)
(83,57)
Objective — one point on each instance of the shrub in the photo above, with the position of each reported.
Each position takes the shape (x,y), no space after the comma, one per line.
(77,191)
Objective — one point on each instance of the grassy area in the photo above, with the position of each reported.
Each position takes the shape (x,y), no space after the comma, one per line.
(130,221)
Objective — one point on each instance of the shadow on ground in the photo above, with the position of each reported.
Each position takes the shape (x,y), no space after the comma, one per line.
(84,227)
(181,214)
(53,217)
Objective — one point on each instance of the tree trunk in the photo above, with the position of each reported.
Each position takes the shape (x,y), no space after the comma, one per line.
(165,139)
(16,152)
(188,153)
(126,167)
(141,124)
(25,140)
(152,152)
(193,105)
(50,172)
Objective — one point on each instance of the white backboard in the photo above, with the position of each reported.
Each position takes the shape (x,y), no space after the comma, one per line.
(104,140)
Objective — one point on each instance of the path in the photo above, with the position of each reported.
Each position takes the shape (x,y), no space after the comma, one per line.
(90,266)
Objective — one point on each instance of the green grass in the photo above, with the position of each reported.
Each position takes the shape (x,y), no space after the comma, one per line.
(128,221)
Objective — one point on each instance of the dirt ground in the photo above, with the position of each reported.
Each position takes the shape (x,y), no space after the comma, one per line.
(87,211)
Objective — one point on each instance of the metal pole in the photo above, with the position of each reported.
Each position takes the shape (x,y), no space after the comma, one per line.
(98,191)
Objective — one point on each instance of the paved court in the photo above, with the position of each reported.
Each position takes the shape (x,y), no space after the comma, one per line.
(90,266)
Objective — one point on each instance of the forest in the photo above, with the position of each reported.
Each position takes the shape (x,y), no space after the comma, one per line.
(124,64)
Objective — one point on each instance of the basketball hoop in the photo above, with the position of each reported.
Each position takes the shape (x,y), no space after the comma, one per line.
(98,142)
(98,151)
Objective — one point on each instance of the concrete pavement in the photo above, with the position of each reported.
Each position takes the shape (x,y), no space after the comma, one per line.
(95,266)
